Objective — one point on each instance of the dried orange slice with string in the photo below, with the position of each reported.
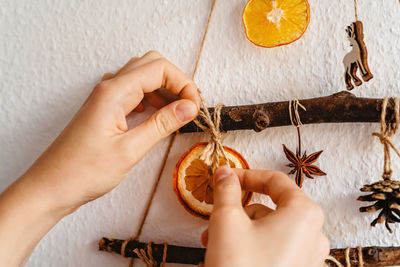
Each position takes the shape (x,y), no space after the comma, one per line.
(193,180)
(271,23)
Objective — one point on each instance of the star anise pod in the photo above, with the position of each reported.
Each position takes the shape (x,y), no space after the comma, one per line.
(302,164)
(386,193)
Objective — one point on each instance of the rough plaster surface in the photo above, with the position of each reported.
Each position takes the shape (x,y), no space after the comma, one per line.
(53,53)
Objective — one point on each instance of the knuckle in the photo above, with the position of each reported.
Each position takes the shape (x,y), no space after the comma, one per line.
(152,54)
(163,123)
(133,59)
(160,61)
(102,87)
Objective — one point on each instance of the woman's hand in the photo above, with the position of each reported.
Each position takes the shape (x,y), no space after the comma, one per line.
(94,152)
(257,236)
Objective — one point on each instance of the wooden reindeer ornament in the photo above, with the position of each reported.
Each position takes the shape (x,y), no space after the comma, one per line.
(357,57)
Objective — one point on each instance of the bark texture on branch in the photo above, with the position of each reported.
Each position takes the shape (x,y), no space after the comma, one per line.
(336,108)
(373,256)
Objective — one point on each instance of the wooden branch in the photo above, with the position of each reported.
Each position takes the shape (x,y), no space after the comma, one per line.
(372,256)
(336,108)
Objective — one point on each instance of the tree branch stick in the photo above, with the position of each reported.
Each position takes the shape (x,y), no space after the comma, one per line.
(336,108)
(373,256)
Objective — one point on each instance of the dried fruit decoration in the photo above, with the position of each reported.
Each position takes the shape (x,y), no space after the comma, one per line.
(270,23)
(385,192)
(301,164)
(193,180)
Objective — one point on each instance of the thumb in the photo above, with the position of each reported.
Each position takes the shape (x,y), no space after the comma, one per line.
(227,189)
(161,124)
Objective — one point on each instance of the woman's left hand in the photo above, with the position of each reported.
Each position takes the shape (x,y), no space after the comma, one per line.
(95,151)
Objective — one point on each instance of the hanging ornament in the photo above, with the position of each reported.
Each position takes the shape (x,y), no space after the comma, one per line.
(301,164)
(193,175)
(270,23)
(385,192)
(357,57)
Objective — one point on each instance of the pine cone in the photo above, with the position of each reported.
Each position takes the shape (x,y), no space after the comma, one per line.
(386,193)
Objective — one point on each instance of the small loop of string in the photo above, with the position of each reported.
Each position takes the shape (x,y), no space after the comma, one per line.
(296,119)
(355,10)
(214,149)
(347,258)
(387,131)
(146,255)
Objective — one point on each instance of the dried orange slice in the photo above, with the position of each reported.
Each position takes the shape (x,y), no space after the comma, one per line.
(271,23)
(193,181)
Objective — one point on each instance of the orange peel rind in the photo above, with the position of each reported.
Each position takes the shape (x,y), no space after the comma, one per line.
(270,23)
(193,184)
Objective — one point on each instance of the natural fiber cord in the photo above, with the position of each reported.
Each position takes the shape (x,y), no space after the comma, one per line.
(144,217)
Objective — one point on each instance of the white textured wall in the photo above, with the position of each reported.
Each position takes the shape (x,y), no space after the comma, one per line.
(53,52)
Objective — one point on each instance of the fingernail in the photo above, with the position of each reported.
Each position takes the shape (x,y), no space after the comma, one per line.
(186,110)
(222,173)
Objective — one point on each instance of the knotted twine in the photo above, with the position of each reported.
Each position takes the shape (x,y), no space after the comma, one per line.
(296,104)
(387,131)
(147,255)
(347,258)
(295,120)
(214,149)
(171,142)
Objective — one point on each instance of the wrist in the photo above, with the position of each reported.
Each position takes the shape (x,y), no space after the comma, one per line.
(27,213)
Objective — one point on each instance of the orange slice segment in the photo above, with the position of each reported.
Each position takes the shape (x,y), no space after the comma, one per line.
(271,23)
(193,181)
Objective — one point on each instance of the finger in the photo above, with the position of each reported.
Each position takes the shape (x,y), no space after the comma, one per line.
(156,99)
(322,249)
(127,66)
(161,124)
(107,76)
(257,211)
(140,107)
(136,62)
(227,190)
(204,238)
(277,185)
(128,89)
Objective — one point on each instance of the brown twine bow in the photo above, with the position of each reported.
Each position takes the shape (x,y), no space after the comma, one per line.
(347,258)
(386,134)
(296,104)
(147,255)
(214,149)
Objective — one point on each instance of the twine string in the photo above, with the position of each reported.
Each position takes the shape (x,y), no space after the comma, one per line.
(385,136)
(146,255)
(347,258)
(295,120)
(150,200)
(214,149)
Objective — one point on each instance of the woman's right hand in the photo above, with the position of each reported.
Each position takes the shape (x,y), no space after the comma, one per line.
(290,235)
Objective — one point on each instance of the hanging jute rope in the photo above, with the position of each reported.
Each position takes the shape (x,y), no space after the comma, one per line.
(347,258)
(385,136)
(355,10)
(214,149)
(136,236)
(296,119)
